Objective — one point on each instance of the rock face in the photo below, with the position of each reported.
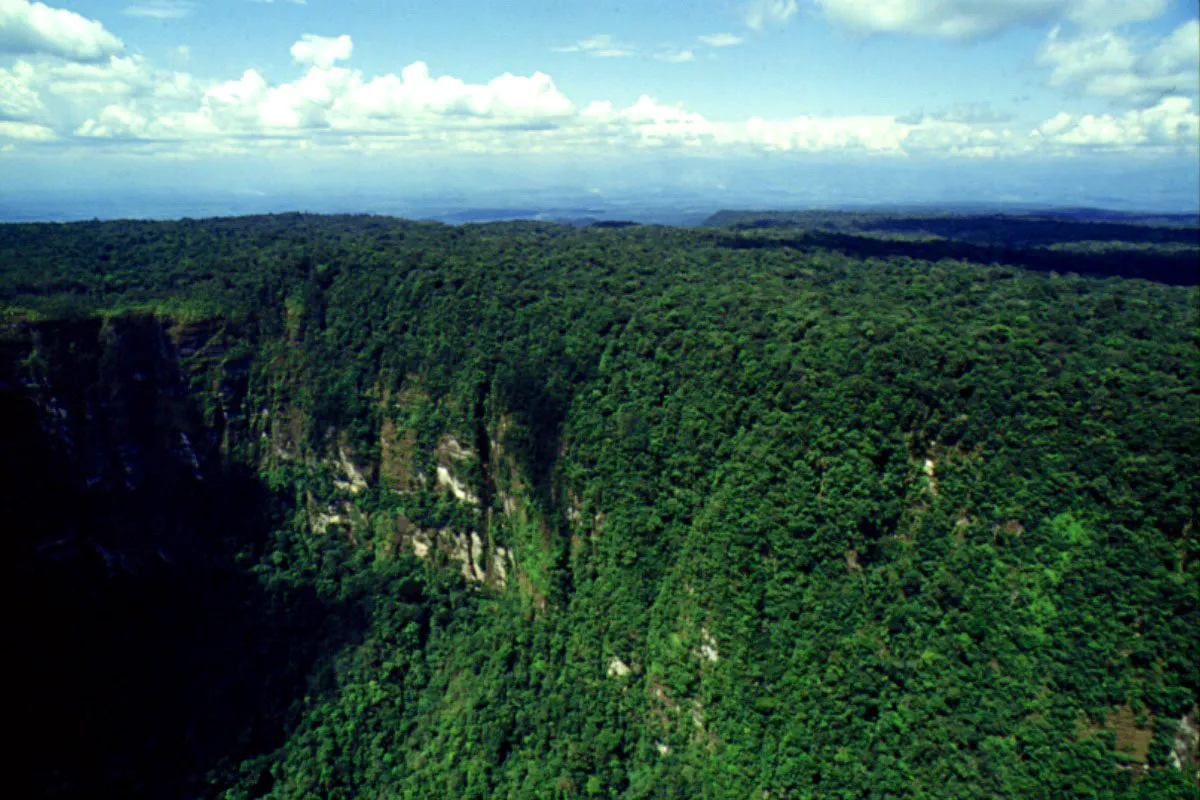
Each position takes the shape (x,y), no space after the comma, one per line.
(452,455)
(105,412)
(148,407)
(144,459)
(1185,747)
(127,500)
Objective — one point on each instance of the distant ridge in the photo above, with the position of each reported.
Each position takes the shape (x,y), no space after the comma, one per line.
(879,217)
(1162,248)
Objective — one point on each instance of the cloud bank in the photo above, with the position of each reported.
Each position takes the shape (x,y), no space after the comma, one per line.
(72,84)
(336,107)
(32,28)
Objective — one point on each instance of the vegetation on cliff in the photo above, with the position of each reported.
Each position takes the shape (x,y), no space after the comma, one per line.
(523,510)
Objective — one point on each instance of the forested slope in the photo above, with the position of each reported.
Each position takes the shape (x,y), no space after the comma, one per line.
(356,507)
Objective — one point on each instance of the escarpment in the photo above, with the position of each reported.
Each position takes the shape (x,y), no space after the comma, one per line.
(144,412)
(147,461)
(355,507)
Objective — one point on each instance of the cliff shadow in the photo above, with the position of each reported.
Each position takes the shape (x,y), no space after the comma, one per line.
(1176,268)
(144,652)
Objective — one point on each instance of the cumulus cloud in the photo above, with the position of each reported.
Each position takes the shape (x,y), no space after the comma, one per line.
(30,28)
(160,9)
(416,96)
(341,101)
(1110,65)
(19,101)
(602,45)
(763,12)
(119,76)
(966,19)
(26,132)
(331,106)
(322,51)
(1172,123)
(721,39)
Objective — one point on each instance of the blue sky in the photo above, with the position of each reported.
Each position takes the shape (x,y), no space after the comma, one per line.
(975,96)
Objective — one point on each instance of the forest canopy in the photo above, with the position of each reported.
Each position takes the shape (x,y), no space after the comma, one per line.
(784,506)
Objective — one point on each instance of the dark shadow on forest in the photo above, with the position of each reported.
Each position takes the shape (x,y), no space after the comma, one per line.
(990,230)
(142,652)
(1180,269)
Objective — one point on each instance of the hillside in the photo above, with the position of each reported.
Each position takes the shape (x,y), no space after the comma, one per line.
(350,507)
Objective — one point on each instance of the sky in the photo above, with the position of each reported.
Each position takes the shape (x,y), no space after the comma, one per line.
(823,102)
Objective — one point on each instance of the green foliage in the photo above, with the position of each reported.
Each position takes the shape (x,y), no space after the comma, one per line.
(858,524)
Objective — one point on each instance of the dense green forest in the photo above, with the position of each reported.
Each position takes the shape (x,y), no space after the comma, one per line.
(357,507)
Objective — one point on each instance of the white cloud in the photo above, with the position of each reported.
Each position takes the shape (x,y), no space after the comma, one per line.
(332,107)
(161,9)
(721,39)
(337,100)
(37,28)
(1172,123)
(183,52)
(415,97)
(322,51)
(872,133)
(647,123)
(18,99)
(25,131)
(1110,65)
(763,12)
(1178,53)
(676,56)
(601,45)
(966,19)
(120,76)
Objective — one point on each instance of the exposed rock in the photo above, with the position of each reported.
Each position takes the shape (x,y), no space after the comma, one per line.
(355,482)
(319,521)
(707,649)
(467,549)
(618,668)
(498,568)
(451,449)
(449,452)
(1186,745)
(457,488)
(852,561)
(421,544)
(698,714)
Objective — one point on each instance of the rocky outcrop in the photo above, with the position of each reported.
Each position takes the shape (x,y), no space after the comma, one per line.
(148,405)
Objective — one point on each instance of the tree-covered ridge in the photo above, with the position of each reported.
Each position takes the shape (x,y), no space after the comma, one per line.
(1012,229)
(785,519)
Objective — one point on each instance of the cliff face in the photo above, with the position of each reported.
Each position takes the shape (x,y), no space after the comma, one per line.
(108,439)
(147,461)
(125,517)
(134,417)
